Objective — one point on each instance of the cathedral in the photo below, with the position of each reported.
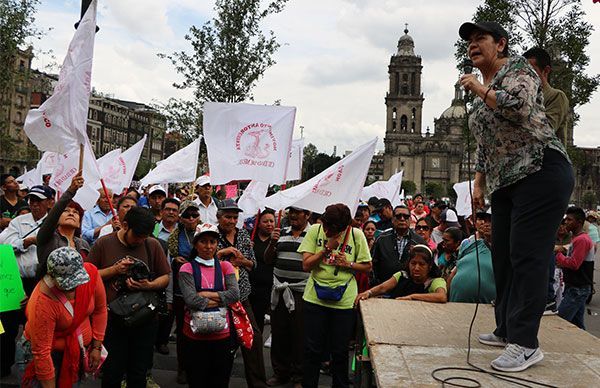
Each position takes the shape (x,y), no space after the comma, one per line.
(425,158)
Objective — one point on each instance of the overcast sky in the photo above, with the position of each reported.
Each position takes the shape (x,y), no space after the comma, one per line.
(332,64)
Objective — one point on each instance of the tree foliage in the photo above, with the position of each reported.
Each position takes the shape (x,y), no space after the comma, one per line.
(314,162)
(558,26)
(435,189)
(409,187)
(229,55)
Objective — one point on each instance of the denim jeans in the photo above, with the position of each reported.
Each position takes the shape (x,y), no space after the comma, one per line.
(572,306)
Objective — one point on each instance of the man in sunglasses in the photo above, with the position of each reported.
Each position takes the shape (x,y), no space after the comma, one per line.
(392,248)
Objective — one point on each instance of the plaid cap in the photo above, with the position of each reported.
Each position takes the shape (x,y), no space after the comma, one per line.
(187,204)
(65,266)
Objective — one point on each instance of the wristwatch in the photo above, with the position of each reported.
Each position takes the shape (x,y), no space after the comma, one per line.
(351,264)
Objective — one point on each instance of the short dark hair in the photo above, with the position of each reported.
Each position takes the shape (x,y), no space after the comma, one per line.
(125,198)
(401,207)
(577,213)
(541,56)
(369,222)
(455,233)
(3,178)
(336,218)
(140,220)
(265,212)
(424,219)
(167,201)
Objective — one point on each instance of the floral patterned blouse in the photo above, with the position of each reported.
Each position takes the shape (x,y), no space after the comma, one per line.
(511,138)
(243,244)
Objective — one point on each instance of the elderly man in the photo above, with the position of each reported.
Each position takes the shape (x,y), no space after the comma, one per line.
(100,215)
(392,249)
(386,211)
(9,201)
(123,206)
(21,234)
(208,206)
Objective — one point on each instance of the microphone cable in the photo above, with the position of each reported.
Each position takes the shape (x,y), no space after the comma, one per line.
(469,382)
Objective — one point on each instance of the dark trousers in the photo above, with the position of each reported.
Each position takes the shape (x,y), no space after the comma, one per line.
(325,326)
(572,306)
(11,320)
(178,312)
(208,363)
(165,324)
(287,343)
(130,352)
(254,362)
(525,219)
(551,295)
(260,299)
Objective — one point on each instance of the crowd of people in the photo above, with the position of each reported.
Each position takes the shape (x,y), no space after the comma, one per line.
(305,272)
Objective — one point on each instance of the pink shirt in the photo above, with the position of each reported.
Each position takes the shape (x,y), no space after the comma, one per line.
(207,281)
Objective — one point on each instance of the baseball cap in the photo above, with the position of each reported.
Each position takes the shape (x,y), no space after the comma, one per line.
(230,205)
(41,192)
(592,214)
(187,204)
(449,217)
(65,266)
(156,189)
(203,180)
(23,186)
(206,228)
(466,29)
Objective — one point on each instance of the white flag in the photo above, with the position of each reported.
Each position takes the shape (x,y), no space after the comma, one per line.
(340,183)
(59,124)
(248,142)
(463,198)
(117,168)
(30,178)
(179,167)
(294,169)
(389,189)
(252,200)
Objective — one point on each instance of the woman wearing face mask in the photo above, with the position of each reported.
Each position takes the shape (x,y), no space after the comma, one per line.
(422,282)
(67,306)
(208,286)
(62,226)
(179,247)
(330,291)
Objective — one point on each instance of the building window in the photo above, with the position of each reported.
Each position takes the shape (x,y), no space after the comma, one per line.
(401,164)
(394,125)
(413,83)
(397,83)
(19,101)
(414,113)
(404,89)
(403,122)
(394,113)
(19,117)
(412,127)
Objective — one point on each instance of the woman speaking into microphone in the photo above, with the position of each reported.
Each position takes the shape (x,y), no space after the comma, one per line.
(524,167)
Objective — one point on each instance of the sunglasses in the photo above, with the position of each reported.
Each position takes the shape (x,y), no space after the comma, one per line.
(402,216)
(191,215)
(421,227)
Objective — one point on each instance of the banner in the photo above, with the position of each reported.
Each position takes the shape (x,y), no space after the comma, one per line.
(30,178)
(251,200)
(117,168)
(11,286)
(463,198)
(340,183)
(389,189)
(294,169)
(248,142)
(177,168)
(60,123)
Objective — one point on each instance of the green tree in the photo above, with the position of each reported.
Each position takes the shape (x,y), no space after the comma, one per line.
(434,189)
(409,187)
(229,55)
(589,200)
(558,26)
(309,154)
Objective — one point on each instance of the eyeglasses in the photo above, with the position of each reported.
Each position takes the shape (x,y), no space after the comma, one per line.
(191,215)
(421,227)
(402,216)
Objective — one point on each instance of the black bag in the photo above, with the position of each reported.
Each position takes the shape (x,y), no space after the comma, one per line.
(135,308)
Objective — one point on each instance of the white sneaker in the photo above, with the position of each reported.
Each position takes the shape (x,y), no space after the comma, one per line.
(517,358)
(268,342)
(267,319)
(492,340)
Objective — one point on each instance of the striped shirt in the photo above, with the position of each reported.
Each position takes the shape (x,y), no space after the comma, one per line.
(288,266)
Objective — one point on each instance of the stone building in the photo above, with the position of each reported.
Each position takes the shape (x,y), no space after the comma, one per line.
(426,158)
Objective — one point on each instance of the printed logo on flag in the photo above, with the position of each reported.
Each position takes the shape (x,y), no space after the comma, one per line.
(114,172)
(333,176)
(256,142)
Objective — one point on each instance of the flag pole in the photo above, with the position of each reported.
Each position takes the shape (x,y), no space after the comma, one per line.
(110,204)
(81,150)
(279,215)
(255,226)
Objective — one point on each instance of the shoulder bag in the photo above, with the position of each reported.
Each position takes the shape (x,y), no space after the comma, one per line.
(210,320)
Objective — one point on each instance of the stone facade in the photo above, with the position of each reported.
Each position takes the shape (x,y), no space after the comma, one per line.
(426,158)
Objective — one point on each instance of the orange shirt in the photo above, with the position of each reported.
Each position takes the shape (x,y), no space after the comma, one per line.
(46,315)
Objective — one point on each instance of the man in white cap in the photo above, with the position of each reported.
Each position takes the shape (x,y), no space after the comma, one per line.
(156,196)
(448,219)
(207,204)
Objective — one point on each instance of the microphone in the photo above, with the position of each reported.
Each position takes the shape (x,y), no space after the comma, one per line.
(467,66)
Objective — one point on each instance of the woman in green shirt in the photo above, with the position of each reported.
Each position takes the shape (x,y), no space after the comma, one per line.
(423,281)
(332,251)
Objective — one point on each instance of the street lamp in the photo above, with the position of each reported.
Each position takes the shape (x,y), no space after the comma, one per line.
(84,6)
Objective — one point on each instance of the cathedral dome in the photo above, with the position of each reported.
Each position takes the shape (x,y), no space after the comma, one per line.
(406,44)
(454,112)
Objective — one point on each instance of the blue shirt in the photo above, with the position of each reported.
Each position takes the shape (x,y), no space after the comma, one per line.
(91,220)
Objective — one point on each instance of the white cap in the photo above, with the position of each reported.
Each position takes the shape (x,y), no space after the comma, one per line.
(450,216)
(156,188)
(205,228)
(203,180)
(23,186)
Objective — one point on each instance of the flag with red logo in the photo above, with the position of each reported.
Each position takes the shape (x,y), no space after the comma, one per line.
(60,123)
(340,183)
(248,142)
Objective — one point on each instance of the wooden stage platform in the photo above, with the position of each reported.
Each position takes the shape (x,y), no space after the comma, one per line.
(407,340)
